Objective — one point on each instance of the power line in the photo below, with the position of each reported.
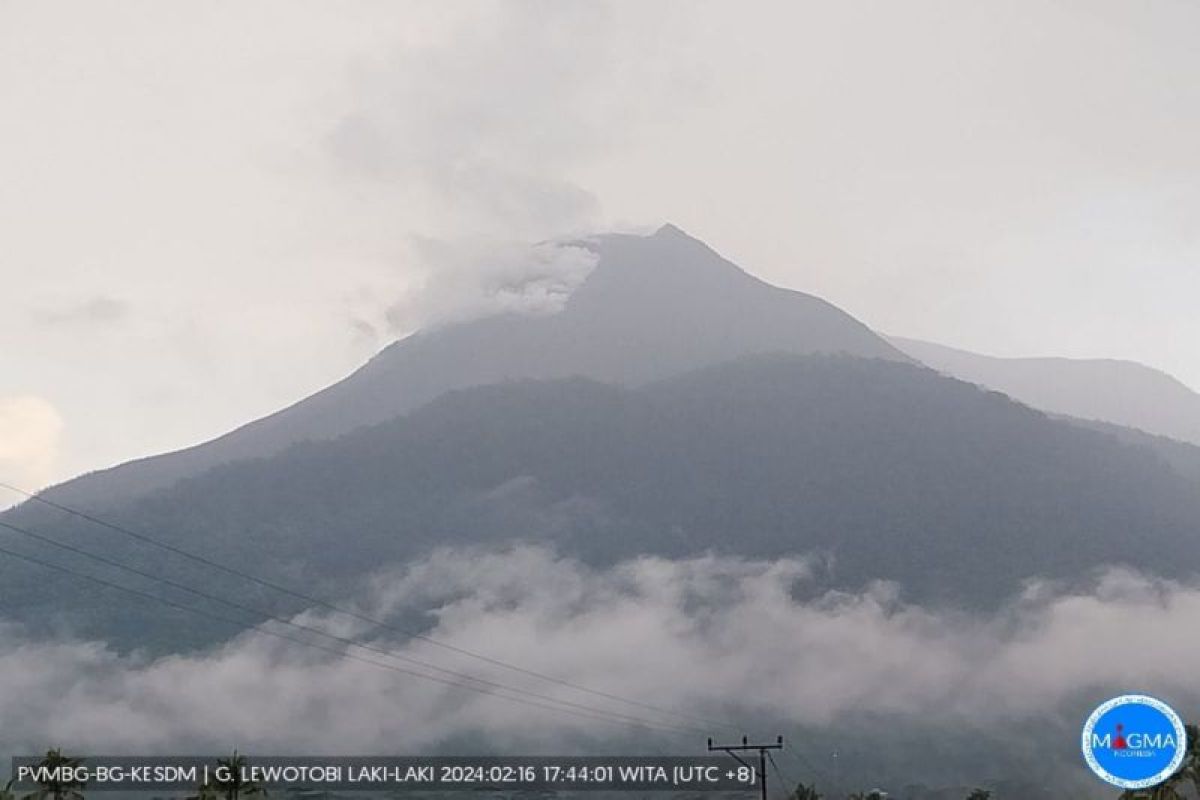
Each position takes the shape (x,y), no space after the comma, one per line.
(786,781)
(141,537)
(808,766)
(617,716)
(594,714)
(745,746)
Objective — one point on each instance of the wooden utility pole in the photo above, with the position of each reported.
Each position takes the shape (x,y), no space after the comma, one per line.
(745,746)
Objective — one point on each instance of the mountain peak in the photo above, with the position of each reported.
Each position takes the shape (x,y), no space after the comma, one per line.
(667,266)
(652,307)
(670,229)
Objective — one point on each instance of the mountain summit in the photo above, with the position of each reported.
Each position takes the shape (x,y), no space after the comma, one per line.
(653,307)
(674,406)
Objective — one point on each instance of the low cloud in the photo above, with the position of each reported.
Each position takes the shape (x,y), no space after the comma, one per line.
(692,635)
(30,433)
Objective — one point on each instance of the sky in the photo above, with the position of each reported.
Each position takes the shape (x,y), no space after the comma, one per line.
(209,210)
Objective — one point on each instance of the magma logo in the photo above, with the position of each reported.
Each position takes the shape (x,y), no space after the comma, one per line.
(1134,741)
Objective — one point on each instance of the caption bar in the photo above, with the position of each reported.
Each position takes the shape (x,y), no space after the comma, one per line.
(168,773)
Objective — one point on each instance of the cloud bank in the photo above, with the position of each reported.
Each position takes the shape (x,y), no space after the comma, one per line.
(692,635)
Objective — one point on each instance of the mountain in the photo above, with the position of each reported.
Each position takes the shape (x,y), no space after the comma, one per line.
(880,469)
(1184,458)
(1118,392)
(653,306)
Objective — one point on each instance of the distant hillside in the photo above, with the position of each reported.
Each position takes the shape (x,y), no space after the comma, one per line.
(1184,458)
(1119,392)
(884,469)
(654,306)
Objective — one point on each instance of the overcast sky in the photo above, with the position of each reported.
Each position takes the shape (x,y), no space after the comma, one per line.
(208,209)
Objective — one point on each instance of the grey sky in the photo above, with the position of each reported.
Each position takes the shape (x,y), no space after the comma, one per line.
(210,209)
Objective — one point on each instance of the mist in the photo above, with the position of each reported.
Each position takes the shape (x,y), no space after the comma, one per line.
(747,644)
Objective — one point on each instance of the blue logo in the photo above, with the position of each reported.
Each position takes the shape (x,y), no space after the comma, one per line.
(1134,741)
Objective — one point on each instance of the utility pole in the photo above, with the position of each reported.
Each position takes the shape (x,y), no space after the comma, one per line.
(734,749)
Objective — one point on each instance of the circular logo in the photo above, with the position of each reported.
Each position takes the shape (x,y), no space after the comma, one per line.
(1134,741)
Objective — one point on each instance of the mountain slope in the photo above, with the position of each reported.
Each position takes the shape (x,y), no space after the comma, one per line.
(884,469)
(1119,392)
(1184,458)
(654,306)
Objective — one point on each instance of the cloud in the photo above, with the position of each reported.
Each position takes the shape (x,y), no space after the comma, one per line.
(714,637)
(453,150)
(30,432)
(93,311)
(484,125)
(462,280)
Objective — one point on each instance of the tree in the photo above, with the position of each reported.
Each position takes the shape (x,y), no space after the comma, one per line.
(232,786)
(51,788)
(206,791)
(1163,791)
(1191,761)
(806,793)
(1188,772)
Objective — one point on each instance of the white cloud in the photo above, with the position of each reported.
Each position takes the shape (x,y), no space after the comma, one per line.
(689,635)
(467,279)
(30,434)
